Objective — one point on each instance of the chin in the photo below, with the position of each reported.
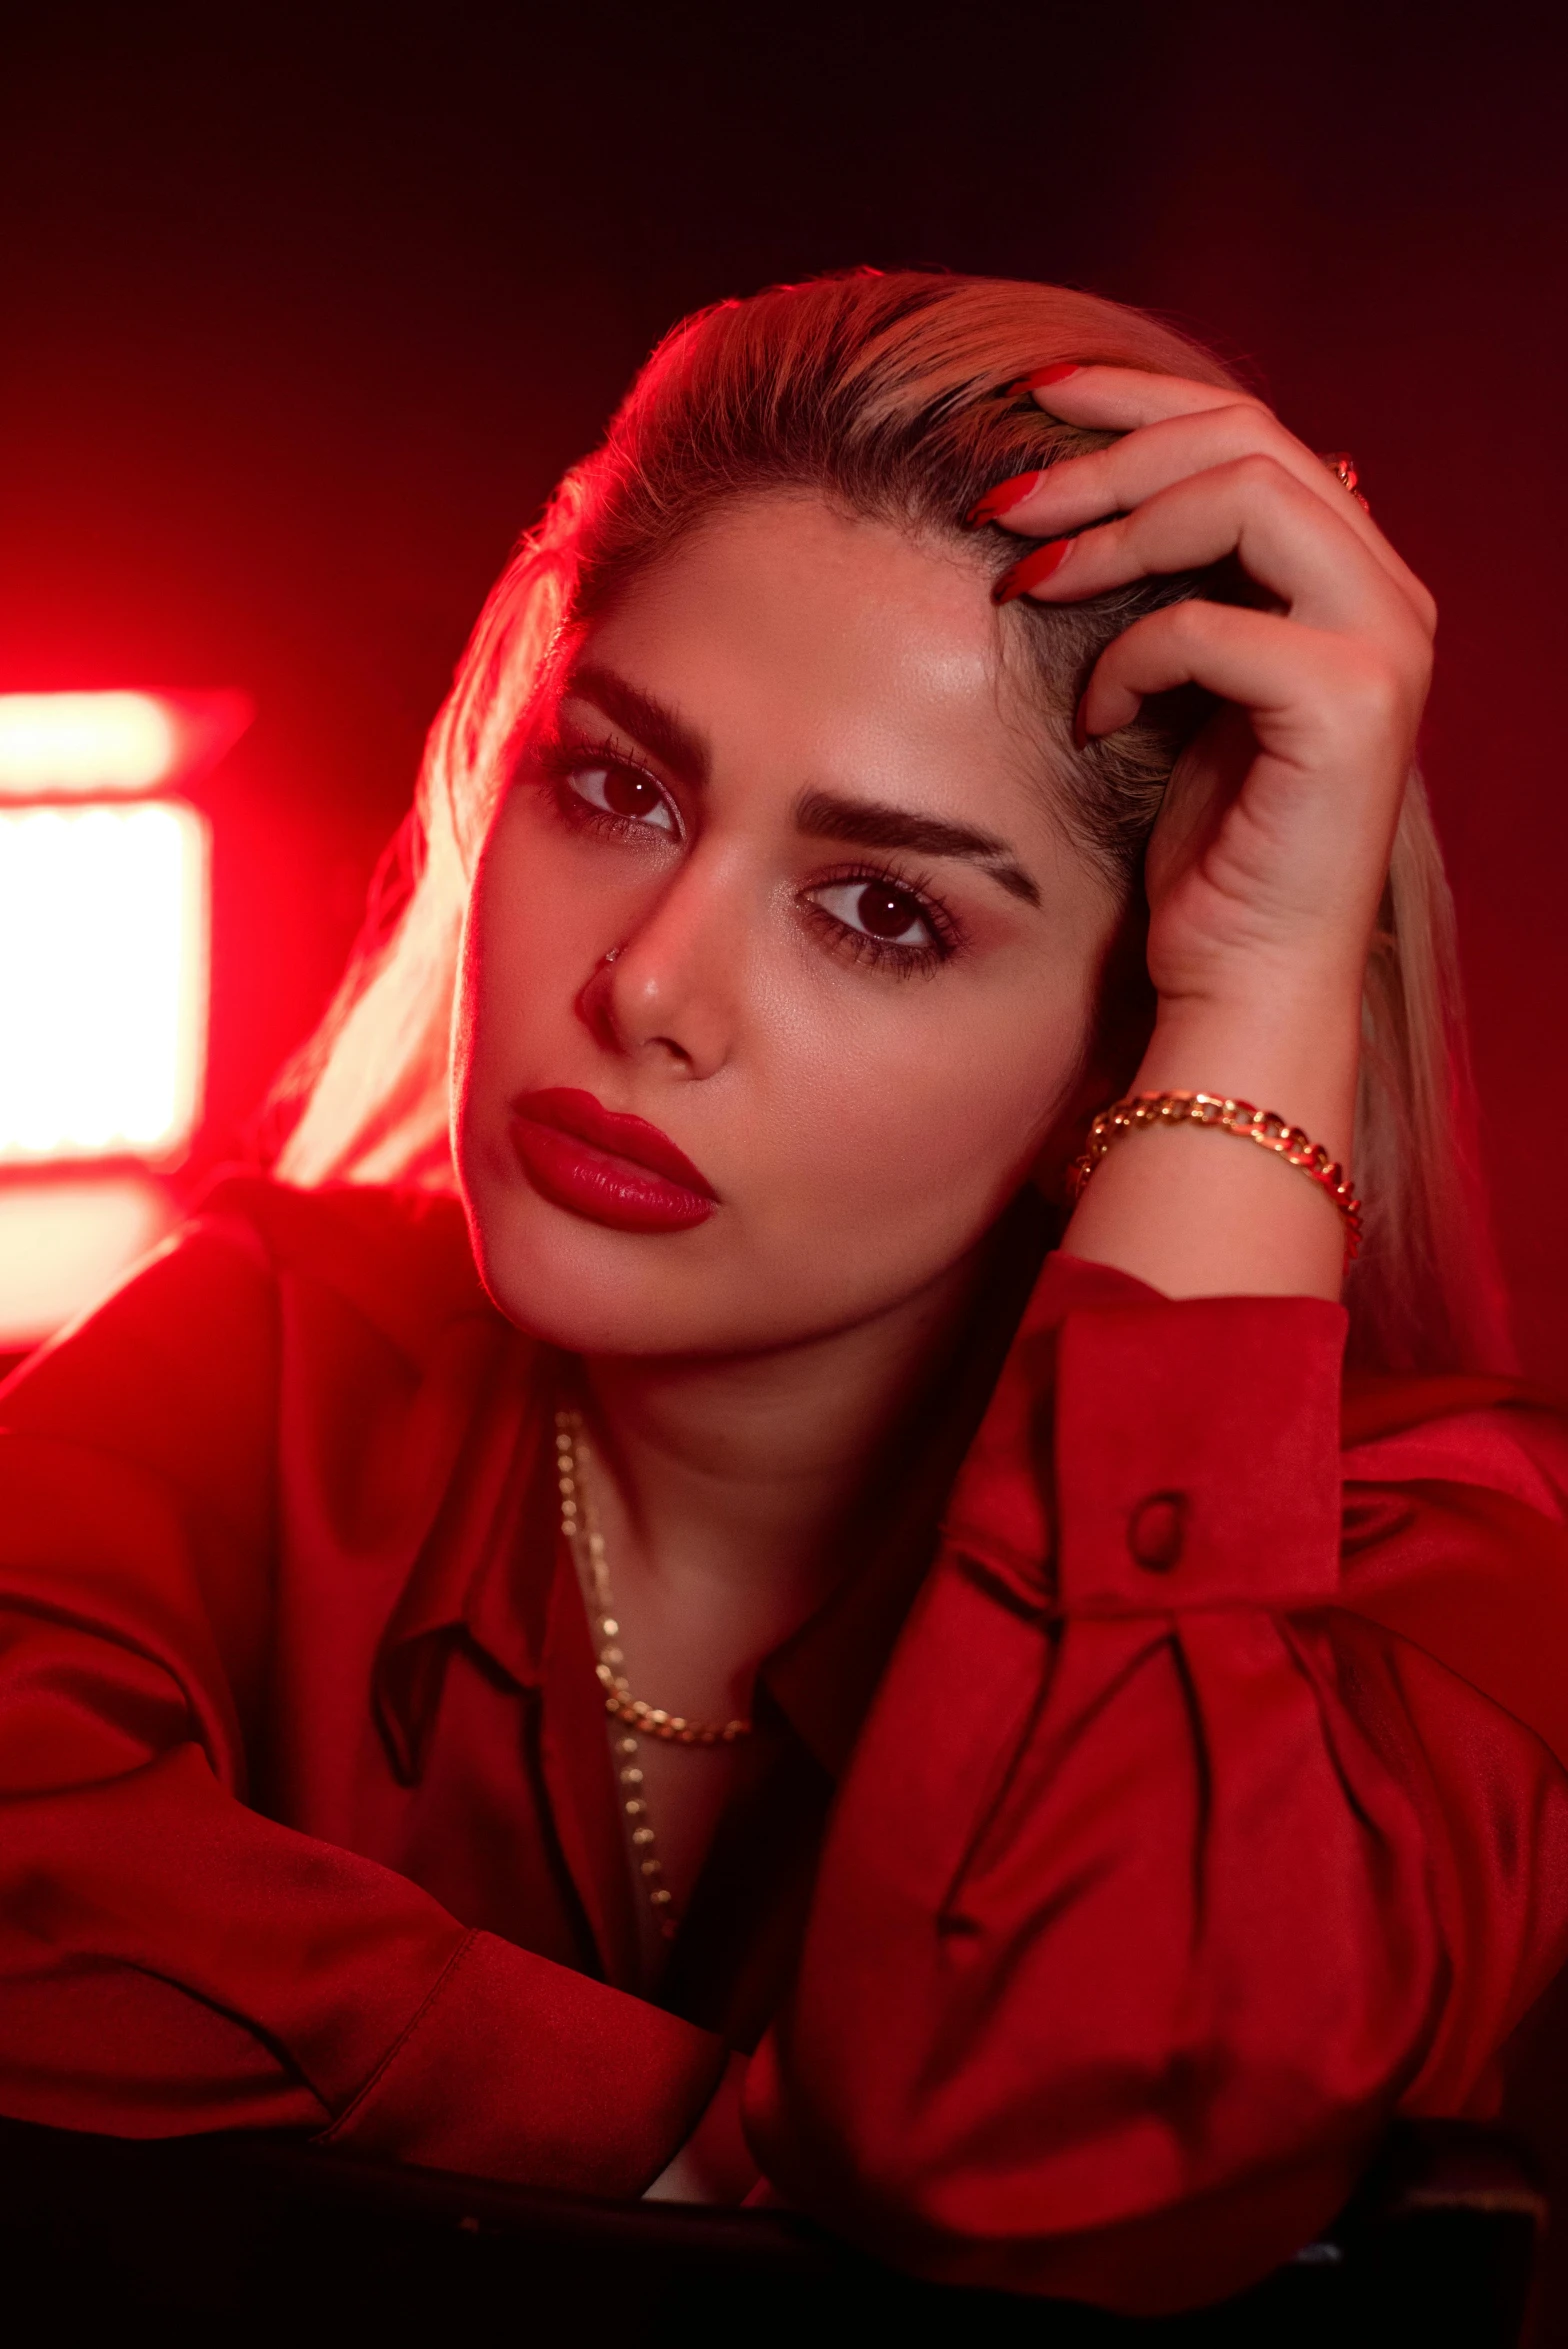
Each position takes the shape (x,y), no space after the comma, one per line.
(572,1283)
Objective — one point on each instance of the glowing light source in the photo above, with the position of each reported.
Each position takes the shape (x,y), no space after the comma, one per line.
(65,1241)
(103,980)
(85,742)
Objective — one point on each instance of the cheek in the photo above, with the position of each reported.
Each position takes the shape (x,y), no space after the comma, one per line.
(520,948)
(928,1118)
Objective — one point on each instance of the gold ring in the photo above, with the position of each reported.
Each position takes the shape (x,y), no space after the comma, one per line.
(1343,467)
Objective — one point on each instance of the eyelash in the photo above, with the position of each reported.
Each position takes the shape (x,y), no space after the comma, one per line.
(905,962)
(557,758)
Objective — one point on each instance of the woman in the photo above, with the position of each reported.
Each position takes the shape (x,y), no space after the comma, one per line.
(781,1685)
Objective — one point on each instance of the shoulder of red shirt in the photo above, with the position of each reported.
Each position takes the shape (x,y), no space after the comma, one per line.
(399,1256)
(400,1260)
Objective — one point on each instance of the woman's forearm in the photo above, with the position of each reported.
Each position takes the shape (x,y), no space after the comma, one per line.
(1184,1847)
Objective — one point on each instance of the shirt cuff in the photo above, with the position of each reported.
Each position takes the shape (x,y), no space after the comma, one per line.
(1198,1455)
(519,2069)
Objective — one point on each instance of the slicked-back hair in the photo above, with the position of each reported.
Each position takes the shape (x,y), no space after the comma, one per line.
(894,397)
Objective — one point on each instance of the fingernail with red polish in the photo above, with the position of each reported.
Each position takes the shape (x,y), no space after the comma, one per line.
(1003,498)
(1044,375)
(1034,567)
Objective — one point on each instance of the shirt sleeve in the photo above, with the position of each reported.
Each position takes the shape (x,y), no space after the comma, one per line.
(172,1960)
(1194,1833)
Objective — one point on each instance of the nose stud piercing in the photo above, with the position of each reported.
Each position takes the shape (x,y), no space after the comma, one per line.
(613,953)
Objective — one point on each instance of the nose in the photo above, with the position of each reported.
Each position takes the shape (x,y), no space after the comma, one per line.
(671,989)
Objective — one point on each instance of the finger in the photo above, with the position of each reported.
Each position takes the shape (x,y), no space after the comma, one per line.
(1080,490)
(1119,399)
(1289,540)
(1326,692)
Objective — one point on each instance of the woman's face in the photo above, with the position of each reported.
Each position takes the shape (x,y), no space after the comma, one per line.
(777,877)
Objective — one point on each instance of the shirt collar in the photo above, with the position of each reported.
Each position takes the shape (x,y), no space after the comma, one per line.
(490,1561)
(497,1510)
(824,1676)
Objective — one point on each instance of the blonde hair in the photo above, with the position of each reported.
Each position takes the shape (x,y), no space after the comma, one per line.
(893,396)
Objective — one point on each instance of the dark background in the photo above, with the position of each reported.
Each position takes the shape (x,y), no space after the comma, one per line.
(300,316)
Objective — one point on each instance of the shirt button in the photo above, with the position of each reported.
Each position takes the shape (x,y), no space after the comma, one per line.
(1156,1529)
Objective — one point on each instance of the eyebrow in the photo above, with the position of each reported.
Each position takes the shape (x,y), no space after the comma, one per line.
(873,824)
(654,724)
(822,815)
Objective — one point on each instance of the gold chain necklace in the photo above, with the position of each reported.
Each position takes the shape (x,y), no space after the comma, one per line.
(580,1525)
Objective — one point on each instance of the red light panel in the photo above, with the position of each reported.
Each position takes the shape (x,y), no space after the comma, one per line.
(64,1242)
(103,980)
(112,745)
(84,742)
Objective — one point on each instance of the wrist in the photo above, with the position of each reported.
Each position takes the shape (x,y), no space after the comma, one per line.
(1299,1058)
(1200,1212)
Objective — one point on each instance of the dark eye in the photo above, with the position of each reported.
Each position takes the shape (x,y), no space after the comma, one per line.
(620,791)
(877,910)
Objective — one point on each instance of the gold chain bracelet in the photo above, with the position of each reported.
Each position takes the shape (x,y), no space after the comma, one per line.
(1233,1117)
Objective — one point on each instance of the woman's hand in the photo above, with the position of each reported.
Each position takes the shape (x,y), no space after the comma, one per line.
(1267,866)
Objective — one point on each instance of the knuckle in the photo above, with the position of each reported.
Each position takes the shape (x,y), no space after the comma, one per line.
(1247,407)
(1257,469)
(1373,695)
(1183,624)
(1256,429)
(1420,656)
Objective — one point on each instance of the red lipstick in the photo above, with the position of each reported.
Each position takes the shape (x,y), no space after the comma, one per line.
(599,1163)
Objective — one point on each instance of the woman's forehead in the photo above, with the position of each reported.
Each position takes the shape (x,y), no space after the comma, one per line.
(782,631)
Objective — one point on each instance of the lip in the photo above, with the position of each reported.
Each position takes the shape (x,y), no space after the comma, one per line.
(609,1167)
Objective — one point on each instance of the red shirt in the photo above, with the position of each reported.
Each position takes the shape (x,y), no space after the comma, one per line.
(1210,1810)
